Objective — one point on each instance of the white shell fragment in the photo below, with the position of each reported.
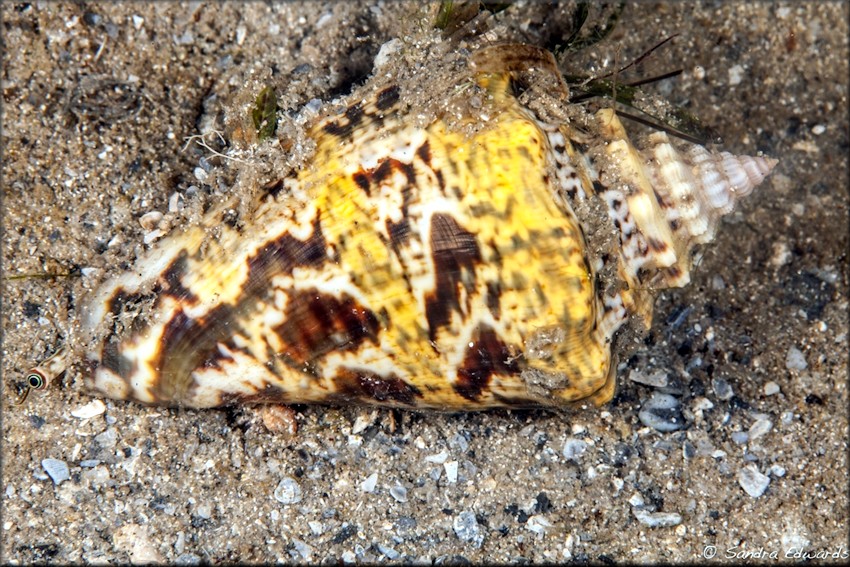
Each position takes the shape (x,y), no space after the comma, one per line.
(288,491)
(657,519)
(752,481)
(57,470)
(370,483)
(795,359)
(150,220)
(574,449)
(90,410)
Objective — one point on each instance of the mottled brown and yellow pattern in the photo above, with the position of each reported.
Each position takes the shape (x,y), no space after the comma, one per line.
(413,267)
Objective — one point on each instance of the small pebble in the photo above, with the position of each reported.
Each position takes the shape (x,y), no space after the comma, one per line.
(107,439)
(722,389)
(133,539)
(363,422)
(388,552)
(618,484)
(204,511)
(662,412)
(777,470)
(459,443)
(399,493)
(752,481)
(636,499)
(288,491)
(759,428)
(57,470)
(771,388)
(316,527)
(205,164)
(386,53)
(795,359)
(451,471)
(184,39)
(657,379)
(717,283)
(538,525)
(574,449)
(736,75)
(152,236)
(360,552)
(657,519)
(313,106)
(740,437)
(439,458)
(279,419)
(180,543)
(175,202)
(466,526)
(96,476)
(370,483)
(302,549)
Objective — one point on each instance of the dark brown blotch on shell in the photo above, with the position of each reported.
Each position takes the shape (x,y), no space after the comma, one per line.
(487,356)
(283,254)
(172,279)
(366,387)
(316,324)
(455,253)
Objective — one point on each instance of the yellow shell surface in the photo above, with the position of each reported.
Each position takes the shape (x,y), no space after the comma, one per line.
(410,267)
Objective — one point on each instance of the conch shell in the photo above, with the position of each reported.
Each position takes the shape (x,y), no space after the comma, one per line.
(419,267)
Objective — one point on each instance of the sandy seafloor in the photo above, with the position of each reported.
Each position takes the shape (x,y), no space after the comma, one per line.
(98,99)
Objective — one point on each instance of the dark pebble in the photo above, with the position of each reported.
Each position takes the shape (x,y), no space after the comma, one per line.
(344,533)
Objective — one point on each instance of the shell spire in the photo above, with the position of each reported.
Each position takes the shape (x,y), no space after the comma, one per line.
(665,201)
